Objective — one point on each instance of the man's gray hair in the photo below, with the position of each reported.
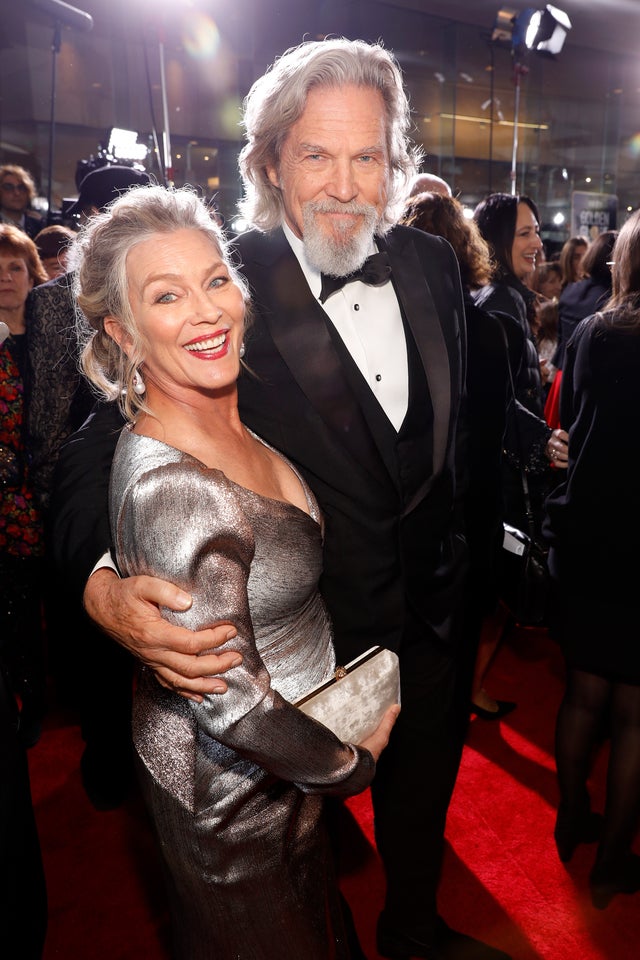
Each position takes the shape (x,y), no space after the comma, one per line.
(277,100)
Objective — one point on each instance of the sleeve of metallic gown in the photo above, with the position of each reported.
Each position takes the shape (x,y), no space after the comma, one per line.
(251,718)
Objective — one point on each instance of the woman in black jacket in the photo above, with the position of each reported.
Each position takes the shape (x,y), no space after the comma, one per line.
(586,296)
(510,225)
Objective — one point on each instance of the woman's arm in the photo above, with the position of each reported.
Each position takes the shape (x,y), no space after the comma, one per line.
(214,559)
(127,610)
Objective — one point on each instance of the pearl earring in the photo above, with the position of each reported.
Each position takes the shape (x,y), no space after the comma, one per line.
(139,386)
(241,350)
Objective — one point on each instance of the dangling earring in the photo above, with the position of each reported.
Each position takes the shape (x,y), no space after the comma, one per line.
(139,386)
(241,350)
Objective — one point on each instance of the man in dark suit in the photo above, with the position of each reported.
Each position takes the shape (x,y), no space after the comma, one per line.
(361,387)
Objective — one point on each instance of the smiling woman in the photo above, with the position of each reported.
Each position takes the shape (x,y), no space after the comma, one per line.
(188,322)
(527,245)
(171,279)
(510,225)
(234,783)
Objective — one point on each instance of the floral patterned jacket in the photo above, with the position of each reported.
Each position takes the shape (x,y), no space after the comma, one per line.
(21,531)
(59,398)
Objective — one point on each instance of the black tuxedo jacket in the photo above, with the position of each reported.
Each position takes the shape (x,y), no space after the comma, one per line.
(393,551)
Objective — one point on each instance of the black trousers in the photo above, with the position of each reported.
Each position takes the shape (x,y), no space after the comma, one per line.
(23,898)
(414,781)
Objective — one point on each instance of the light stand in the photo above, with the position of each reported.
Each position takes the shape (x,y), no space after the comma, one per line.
(166,135)
(55,50)
(62,13)
(519,71)
(156,34)
(543,31)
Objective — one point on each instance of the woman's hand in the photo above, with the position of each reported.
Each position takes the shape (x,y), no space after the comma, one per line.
(377,741)
(557,449)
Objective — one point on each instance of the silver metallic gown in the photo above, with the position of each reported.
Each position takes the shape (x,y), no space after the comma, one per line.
(234,785)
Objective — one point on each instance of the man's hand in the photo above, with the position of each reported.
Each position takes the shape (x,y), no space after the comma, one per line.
(128,610)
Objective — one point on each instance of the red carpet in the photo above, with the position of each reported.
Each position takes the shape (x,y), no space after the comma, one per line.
(502,879)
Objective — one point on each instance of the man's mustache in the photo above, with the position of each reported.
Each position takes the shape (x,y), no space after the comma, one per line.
(335,206)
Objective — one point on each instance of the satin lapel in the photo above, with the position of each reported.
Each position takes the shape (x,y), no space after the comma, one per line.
(312,359)
(421,314)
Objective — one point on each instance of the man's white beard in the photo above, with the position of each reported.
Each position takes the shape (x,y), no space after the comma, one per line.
(338,255)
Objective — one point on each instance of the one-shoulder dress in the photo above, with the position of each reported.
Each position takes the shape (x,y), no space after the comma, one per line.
(234,785)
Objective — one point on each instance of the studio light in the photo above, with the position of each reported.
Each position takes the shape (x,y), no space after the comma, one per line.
(541,29)
(546,30)
(123,145)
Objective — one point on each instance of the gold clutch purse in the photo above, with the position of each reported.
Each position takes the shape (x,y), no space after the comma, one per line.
(353,702)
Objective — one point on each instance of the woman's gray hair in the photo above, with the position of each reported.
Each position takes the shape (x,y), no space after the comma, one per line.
(277,100)
(98,261)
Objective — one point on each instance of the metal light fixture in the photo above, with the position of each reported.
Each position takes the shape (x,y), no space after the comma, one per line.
(123,145)
(541,30)
(503,26)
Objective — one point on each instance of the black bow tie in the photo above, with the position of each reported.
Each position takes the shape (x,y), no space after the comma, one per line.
(375,271)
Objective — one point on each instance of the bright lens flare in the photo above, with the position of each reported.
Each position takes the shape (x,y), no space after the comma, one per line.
(201,36)
(634,145)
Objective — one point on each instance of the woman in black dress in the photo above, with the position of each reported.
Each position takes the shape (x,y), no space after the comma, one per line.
(594,526)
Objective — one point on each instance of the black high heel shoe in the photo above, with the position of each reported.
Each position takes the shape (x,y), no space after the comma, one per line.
(445,943)
(504,707)
(572,829)
(608,879)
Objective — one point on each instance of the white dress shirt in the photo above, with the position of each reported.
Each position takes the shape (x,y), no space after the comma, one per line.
(370,323)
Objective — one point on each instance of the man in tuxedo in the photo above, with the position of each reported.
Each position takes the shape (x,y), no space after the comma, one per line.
(358,378)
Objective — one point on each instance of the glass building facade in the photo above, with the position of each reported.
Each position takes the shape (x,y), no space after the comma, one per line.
(178,78)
